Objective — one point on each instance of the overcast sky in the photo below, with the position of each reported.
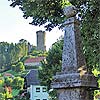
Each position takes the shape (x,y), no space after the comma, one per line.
(14,27)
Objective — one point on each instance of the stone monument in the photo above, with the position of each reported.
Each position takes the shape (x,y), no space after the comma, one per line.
(74,82)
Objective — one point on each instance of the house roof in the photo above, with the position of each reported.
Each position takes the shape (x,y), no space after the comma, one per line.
(8,74)
(36,59)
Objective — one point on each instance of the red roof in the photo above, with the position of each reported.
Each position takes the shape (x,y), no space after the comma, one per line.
(7,74)
(32,60)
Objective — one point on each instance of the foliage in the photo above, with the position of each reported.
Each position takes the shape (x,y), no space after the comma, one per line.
(8,81)
(54,57)
(20,67)
(90,32)
(2,89)
(23,46)
(51,11)
(2,96)
(30,67)
(38,53)
(5,93)
(18,83)
(8,92)
(20,74)
(15,92)
(10,86)
(22,59)
(13,67)
(2,60)
(96,72)
(52,63)
(53,94)
(1,81)
(11,53)
(22,95)
(42,12)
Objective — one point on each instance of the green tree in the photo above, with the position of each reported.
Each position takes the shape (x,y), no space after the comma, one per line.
(8,81)
(1,81)
(2,60)
(38,53)
(12,53)
(13,67)
(2,96)
(51,11)
(52,63)
(42,12)
(20,67)
(23,46)
(1,89)
(18,83)
(4,53)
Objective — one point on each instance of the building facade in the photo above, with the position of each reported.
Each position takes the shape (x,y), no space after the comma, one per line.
(38,92)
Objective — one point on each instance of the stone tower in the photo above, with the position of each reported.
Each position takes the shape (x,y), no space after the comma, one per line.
(41,40)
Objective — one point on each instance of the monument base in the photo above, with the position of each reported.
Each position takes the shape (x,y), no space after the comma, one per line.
(74,94)
(74,87)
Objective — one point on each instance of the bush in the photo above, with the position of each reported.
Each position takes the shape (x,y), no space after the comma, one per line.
(2,96)
(13,67)
(18,83)
(20,67)
(8,81)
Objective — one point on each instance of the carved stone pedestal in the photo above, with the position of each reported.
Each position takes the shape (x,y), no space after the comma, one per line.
(74,87)
(74,94)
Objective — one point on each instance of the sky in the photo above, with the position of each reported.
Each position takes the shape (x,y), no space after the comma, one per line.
(14,27)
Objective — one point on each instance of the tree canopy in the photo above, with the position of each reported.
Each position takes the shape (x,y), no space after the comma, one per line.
(51,11)
(50,14)
(52,64)
(11,53)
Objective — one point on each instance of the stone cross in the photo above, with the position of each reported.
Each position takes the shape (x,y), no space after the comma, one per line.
(73,82)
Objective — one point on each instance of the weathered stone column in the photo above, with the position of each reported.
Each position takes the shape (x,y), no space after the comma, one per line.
(73,82)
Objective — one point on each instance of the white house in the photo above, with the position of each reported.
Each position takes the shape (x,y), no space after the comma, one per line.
(38,92)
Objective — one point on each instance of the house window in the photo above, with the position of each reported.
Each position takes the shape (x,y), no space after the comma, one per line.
(37,99)
(43,89)
(37,89)
(44,99)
